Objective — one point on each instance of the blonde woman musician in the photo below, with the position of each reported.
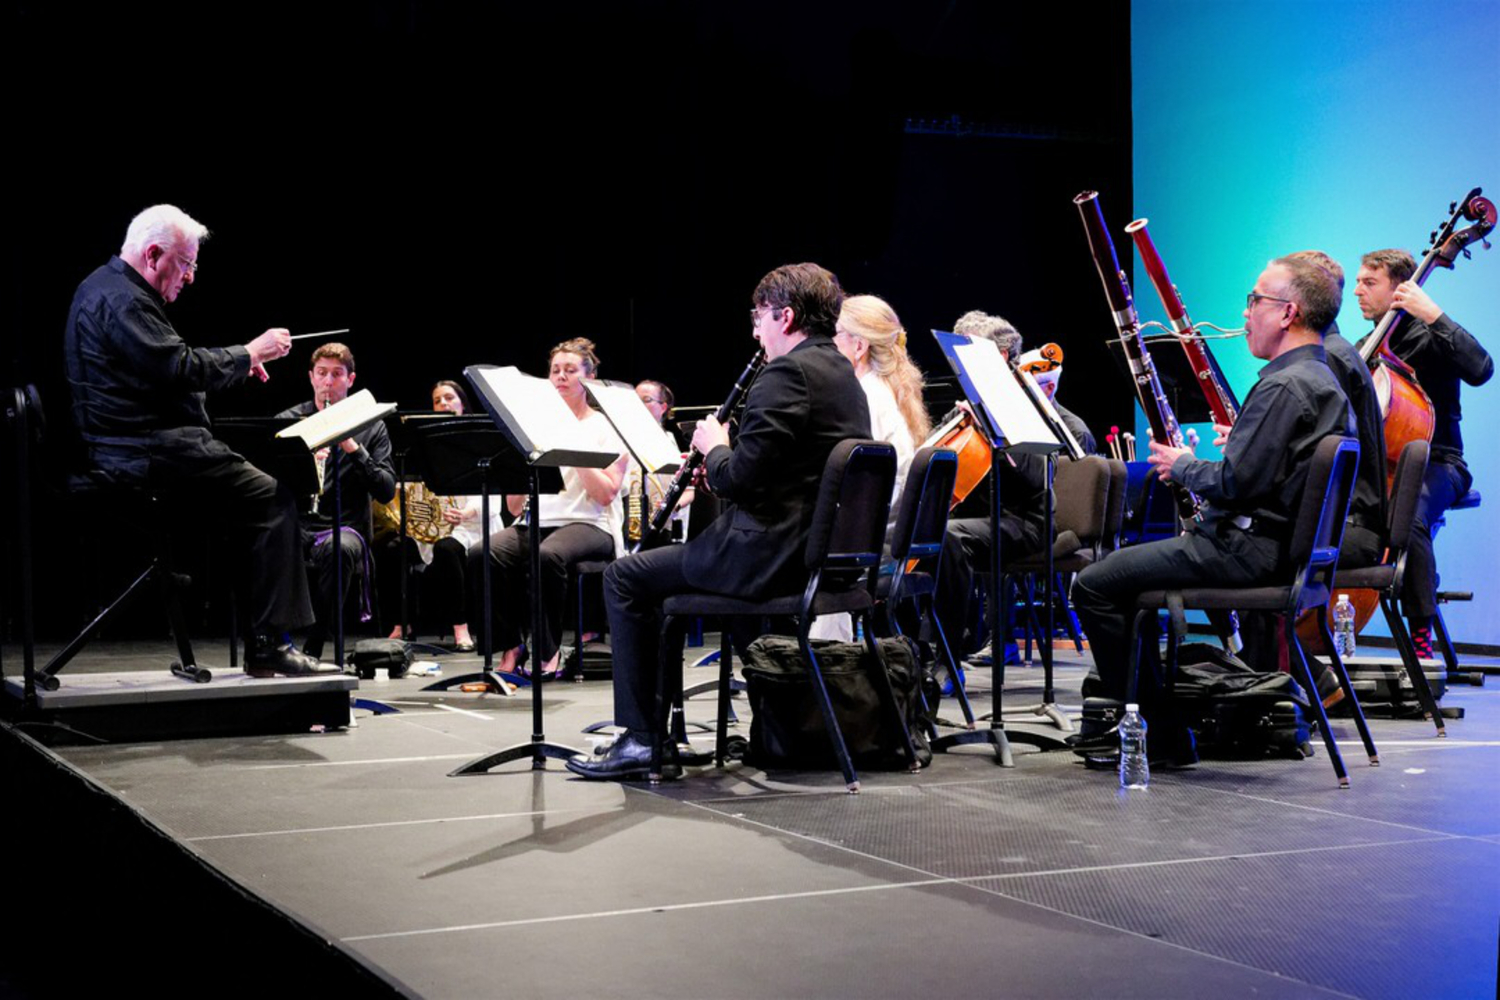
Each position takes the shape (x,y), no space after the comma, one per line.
(870,335)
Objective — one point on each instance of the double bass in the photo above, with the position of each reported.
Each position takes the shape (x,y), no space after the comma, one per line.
(1408,411)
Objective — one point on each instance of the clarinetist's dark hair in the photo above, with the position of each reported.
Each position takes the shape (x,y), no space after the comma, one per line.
(811,292)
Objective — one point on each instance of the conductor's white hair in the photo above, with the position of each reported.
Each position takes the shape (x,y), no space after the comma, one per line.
(165,225)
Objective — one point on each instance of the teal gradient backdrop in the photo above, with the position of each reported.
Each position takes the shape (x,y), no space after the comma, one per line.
(1344,126)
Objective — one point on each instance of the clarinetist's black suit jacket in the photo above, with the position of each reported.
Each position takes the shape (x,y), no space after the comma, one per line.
(801,406)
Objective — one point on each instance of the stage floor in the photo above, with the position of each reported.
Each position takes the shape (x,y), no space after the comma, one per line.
(1234,879)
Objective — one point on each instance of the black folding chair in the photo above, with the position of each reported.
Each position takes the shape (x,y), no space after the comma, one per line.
(842,558)
(1313,555)
(1386,579)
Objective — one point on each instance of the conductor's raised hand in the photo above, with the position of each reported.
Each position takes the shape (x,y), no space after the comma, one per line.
(274,343)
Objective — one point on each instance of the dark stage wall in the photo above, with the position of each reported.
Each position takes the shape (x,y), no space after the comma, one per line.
(463,185)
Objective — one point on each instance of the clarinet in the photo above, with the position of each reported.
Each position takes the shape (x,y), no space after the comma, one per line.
(1148,389)
(1221,401)
(695,457)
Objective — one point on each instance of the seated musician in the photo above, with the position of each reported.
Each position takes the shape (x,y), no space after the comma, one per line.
(966,545)
(1251,496)
(458,523)
(580,524)
(1364,532)
(365,472)
(870,335)
(138,402)
(1443,354)
(804,403)
(645,494)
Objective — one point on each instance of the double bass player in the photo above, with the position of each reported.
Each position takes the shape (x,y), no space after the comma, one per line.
(1442,354)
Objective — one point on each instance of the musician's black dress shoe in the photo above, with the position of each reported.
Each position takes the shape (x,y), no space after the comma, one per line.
(265,658)
(628,759)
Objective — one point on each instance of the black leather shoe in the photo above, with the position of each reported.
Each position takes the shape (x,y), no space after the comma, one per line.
(627,759)
(267,659)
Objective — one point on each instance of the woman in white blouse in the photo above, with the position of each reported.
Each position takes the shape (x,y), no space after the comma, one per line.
(870,335)
(582,523)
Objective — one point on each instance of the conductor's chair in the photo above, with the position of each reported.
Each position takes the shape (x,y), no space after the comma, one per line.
(134,506)
(1313,560)
(841,558)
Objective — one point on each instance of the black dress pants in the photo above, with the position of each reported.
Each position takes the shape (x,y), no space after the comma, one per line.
(1105,593)
(966,551)
(1445,483)
(224,490)
(510,557)
(321,567)
(634,589)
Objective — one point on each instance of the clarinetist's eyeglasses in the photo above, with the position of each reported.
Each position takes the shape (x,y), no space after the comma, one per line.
(190,266)
(756,315)
(1253,297)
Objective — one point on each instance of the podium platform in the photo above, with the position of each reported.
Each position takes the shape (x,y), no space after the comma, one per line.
(139,706)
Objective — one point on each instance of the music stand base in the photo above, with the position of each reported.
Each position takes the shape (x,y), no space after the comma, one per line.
(495,681)
(538,751)
(993,736)
(1049,711)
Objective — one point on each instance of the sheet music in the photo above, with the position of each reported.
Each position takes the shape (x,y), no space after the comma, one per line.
(532,408)
(635,425)
(339,420)
(1002,397)
(1042,402)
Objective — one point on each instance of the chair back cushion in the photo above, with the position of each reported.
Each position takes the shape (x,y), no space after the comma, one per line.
(922,516)
(1325,498)
(1082,490)
(854,501)
(1411,468)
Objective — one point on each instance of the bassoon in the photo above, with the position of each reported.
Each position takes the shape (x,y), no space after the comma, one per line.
(1148,388)
(695,457)
(1221,401)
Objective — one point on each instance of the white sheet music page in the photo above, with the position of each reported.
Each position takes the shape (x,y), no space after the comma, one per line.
(338,421)
(1039,398)
(1003,398)
(533,403)
(634,423)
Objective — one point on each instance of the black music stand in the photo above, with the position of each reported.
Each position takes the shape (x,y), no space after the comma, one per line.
(535,442)
(463,455)
(359,411)
(404,430)
(1015,409)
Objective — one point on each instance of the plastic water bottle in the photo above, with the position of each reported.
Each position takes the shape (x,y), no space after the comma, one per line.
(1135,772)
(1343,627)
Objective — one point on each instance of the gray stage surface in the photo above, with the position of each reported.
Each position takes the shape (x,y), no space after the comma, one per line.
(1235,879)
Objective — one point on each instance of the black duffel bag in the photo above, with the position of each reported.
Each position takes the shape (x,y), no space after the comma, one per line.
(787,729)
(392,655)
